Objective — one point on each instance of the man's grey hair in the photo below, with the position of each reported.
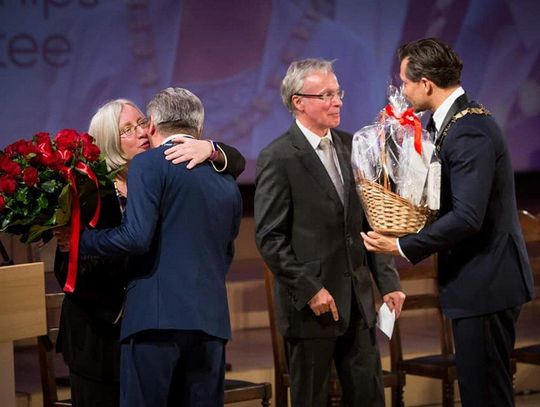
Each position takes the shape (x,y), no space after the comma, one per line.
(176,109)
(293,82)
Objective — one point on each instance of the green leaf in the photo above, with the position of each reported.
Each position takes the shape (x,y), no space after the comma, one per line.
(22,195)
(35,231)
(6,226)
(61,217)
(64,199)
(42,202)
(49,186)
(5,222)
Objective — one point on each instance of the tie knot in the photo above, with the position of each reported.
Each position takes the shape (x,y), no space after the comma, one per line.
(324,144)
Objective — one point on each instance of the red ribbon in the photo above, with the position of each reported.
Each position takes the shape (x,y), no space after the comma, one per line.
(408,117)
(86,170)
(71,279)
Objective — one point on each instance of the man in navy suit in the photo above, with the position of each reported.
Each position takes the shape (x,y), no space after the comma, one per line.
(183,222)
(483,270)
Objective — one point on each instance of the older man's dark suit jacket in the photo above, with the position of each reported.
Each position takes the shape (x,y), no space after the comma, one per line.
(310,240)
(88,339)
(482,260)
(184,222)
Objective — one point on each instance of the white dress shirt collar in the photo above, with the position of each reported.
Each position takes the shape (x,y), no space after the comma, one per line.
(442,110)
(314,141)
(173,136)
(312,138)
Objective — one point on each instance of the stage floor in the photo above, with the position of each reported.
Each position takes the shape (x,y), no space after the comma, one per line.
(250,355)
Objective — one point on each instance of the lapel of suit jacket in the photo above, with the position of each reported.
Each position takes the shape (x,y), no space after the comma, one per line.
(461,103)
(311,161)
(344,158)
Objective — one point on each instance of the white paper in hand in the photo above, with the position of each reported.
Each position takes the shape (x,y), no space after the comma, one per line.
(386,320)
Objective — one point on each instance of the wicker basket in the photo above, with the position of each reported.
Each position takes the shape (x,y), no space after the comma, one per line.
(389,213)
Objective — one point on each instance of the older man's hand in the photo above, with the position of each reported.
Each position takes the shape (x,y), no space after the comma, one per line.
(378,243)
(324,302)
(394,300)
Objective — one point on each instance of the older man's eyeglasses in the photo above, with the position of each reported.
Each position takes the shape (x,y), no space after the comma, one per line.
(130,130)
(326,96)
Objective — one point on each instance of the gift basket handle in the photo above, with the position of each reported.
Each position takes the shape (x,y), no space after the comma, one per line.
(384,171)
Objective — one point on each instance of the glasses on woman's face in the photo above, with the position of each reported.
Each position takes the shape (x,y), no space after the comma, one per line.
(130,130)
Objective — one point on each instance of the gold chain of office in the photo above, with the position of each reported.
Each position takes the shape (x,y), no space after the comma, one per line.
(481,110)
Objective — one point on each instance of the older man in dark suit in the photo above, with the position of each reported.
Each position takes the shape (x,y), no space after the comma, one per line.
(308,223)
(484,273)
(176,319)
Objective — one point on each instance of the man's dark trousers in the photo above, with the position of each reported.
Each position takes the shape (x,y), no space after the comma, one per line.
(484,346)
(188,366)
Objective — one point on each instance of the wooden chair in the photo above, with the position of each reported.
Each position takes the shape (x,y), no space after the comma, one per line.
(235,390)
(47,354)
(240,390)
(393,378)
(530,226)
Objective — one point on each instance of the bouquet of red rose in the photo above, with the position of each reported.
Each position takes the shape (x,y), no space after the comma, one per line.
(42,184)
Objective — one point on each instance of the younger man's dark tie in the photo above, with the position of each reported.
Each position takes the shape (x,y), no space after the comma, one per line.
(432,129)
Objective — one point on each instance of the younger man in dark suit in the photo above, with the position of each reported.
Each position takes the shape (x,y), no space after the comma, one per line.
(484,273)
(176,319)
(308,223)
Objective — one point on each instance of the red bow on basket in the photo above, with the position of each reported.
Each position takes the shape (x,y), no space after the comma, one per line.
(408,118)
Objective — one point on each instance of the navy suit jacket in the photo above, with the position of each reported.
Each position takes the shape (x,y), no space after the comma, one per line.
(184,222)
(482,260)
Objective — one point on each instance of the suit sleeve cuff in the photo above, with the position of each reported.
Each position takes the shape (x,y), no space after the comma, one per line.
(401,251)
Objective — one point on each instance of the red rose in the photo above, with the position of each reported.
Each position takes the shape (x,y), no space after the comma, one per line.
(9,167)
(51,160)
(87,138)
(30,176)
(64,156)
(66,139)
(90,152)
(14,169)
(45,148)
(11,150)
(8,185)
(2,202)
(43,142)
(42,137)
(20,147)
(47,156)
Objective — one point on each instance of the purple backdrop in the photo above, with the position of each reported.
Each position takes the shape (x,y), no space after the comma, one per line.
(60,60)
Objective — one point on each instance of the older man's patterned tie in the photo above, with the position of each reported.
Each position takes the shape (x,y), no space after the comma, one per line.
(327,158)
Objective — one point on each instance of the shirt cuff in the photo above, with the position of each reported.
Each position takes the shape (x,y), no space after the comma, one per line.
(401,251)
(224,158)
